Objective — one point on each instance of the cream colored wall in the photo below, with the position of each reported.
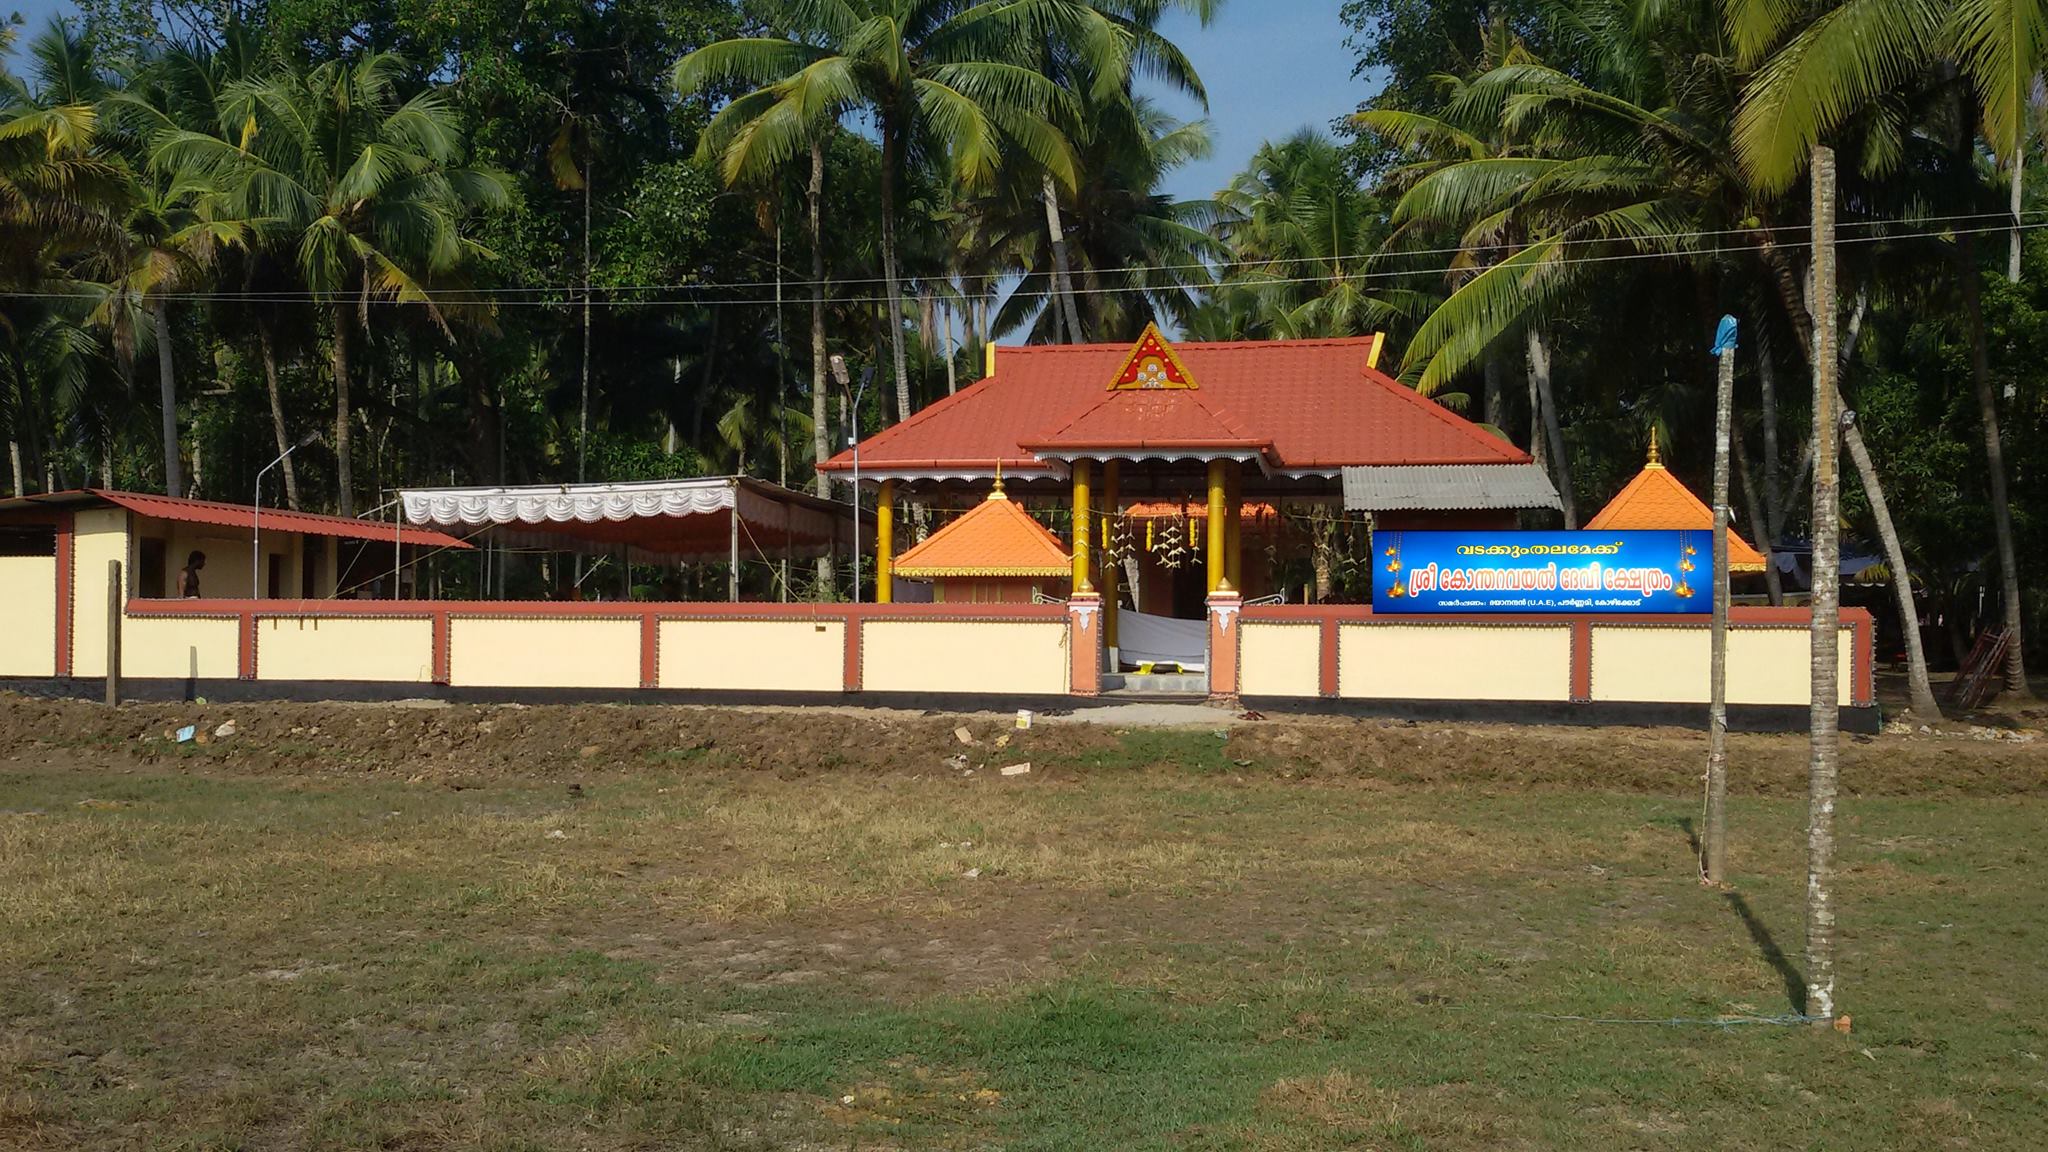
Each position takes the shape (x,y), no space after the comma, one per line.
(28,587)
(344,648)
(540,653)
(756,655)
(98,535)
(1670,665)
(176,648)
(1021,657)
(227,558)
(1280,659)
(1454,662)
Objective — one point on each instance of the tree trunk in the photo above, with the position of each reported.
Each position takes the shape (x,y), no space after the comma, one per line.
(268,349)
(2012,255)
(1714,836)
(344,474)
(583,409)
(1994,458)
(1758,526)
(1063,277)
(1825,739)
(1495,375)
(892,154)
(1539,372)
(1920,691)
(14,458)
(821,424)
(167,393)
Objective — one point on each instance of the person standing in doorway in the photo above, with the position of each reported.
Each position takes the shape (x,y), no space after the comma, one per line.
(188,576)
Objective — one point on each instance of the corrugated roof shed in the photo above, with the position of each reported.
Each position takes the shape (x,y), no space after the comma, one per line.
(1436,487)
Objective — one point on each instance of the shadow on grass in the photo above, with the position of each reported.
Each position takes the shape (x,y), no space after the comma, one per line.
(1795,983)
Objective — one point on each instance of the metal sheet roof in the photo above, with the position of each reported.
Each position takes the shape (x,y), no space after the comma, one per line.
(1447,487)
(237,516)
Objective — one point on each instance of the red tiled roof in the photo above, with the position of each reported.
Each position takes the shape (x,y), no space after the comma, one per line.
(994,538)
(1316,402)
(273,519)
(1655,499)
(1164,418)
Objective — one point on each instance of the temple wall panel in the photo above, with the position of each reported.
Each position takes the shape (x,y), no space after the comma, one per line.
(1022,657)
(314,647)
(535,652)
(1647,663)
(177,647)
(1278,659)
(1454,661)
(28,587)
(753,655)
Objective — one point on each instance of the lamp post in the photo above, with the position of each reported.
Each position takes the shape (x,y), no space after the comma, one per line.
(256,515)
(853,401)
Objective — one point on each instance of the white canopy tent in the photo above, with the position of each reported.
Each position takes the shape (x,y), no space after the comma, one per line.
(701,520)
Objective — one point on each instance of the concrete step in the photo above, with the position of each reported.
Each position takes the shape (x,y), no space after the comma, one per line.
(1178,684)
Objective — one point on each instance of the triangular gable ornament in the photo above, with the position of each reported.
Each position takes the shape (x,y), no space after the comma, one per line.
(1151,365)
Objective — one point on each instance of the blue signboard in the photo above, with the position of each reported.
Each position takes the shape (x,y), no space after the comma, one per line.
(1651,571)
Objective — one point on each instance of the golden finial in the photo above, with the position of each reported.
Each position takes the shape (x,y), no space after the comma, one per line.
(1655,461)
(997,492)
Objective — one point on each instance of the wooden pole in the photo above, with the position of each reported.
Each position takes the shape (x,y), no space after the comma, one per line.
(1082,476)
(885,543)
(1217,526)
(732,578)
(114,591)
(1714,836)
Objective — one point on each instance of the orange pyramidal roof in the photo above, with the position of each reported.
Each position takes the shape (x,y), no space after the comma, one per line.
(994,538)
(1655,499)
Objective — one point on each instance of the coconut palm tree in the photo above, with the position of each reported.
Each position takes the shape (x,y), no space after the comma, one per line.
(367,190)
(1818,69)
(61,197)
(940,79)
(1302,234)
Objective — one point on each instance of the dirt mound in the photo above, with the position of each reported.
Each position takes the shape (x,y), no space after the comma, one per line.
(569,741)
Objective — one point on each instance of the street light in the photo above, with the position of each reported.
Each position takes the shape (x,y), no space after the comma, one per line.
(256,514)
(853,399)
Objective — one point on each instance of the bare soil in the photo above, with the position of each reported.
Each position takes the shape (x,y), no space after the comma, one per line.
(463,744)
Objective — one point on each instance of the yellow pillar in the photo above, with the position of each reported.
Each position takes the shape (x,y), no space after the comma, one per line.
(1233,542)
(1082,524)
(885,544)
(1218,525)
(1112,572)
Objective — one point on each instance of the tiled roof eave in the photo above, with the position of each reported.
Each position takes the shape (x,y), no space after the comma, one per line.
(917,573)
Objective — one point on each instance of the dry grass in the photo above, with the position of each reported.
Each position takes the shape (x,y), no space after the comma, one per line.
(1163,951)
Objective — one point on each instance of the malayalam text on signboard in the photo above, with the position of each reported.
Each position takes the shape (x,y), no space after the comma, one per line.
(1643,571)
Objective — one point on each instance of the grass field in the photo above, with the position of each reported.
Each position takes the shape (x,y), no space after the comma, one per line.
(1146,943)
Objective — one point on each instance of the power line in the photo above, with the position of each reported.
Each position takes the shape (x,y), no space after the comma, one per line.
(491,296)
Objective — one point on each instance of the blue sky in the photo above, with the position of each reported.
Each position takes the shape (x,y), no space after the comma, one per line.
(1271,66)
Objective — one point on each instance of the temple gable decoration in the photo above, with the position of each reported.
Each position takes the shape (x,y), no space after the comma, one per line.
(1152,365)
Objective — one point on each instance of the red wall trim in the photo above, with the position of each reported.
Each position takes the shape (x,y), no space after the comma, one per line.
(245,631)
(67,588)
(853,622)
(1327,672)
(650,651)
(1861,658)
(1582,660)
(441,657)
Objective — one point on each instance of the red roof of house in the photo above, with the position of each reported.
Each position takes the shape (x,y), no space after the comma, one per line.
(994,538)
(1317,404)
(1655,499)
(272,520)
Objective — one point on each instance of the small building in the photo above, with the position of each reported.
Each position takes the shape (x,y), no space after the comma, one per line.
(1656,499)
(993,554)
